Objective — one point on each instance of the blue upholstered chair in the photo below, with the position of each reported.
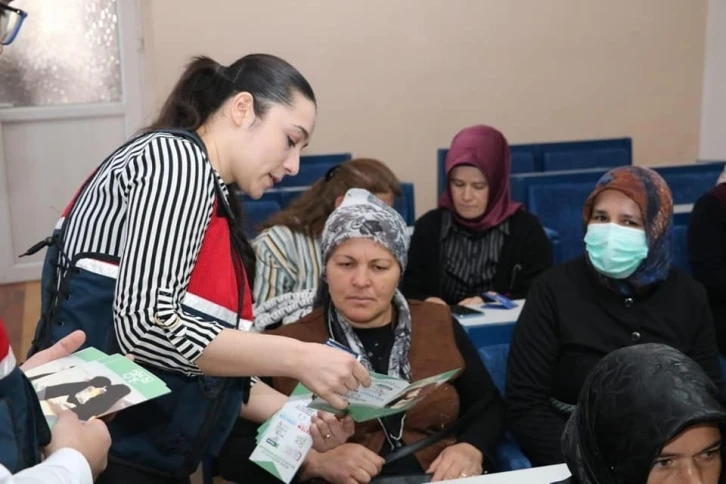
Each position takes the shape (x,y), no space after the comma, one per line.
(554,238)
(689,182)
(309,174)
(406,204)
(523,161)
(679,248)
(575,159)
(329,159)
(312,168)
(255,213)
(509,456)
(556,198)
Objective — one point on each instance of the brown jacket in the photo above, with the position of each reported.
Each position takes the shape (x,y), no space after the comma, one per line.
(433,351)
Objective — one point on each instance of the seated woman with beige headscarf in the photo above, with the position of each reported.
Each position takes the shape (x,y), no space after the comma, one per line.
(364,246)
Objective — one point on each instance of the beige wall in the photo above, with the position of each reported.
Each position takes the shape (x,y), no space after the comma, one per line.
(397,79)
(713,116)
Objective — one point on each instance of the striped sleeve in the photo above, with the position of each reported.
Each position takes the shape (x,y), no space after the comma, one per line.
(170,197)
(276,270)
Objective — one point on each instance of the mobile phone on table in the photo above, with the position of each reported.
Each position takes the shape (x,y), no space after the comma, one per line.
(459,310)
(495,300)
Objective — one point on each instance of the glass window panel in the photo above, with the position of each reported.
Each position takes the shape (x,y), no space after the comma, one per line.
(66,53)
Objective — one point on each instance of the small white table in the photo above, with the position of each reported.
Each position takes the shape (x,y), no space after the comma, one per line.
(494,326)
(537,475)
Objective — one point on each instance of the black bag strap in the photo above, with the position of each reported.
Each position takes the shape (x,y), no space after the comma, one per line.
(455,427)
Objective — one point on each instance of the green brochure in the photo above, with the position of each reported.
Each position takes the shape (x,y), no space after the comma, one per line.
(55,366)
(97,388)
(385,396)
(284,440)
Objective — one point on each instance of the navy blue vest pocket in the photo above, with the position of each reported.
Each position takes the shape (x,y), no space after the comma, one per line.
(86,302)
(167,435)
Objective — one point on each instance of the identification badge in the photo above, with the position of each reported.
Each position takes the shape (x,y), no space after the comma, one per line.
(495,300)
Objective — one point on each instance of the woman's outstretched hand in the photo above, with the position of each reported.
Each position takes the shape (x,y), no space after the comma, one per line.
(330,373)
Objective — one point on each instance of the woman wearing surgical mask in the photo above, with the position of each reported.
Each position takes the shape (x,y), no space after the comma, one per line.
(622,292)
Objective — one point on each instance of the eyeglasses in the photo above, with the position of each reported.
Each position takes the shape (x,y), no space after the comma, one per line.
(11,19)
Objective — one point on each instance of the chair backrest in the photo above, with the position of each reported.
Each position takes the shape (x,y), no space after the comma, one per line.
(523,162)
(556,198)
(581,159)
(330,159)
(680,248)
(406,204)
(583,154)
(255,213)
(312,168)
(309,174)
(494,358)
(689,182)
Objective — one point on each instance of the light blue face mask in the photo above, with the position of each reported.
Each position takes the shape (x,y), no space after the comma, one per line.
(615,251)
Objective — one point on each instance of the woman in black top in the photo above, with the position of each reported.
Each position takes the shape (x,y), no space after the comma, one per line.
(623,292)
(646,414)
(707,253)
(478,239)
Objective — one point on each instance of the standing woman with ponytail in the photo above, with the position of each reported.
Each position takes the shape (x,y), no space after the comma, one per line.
(148,259)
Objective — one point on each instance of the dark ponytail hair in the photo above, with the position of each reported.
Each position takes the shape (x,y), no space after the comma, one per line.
(205,85)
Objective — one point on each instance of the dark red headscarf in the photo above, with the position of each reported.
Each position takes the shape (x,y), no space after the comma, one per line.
(487,149)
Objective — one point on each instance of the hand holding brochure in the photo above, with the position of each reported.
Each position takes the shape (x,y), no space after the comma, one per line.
(386,396)
(284,440)
(92,384)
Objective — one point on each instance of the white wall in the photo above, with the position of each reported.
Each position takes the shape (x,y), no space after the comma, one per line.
(396,80)
(713,114)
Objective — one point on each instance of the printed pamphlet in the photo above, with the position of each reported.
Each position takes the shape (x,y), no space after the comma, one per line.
(284,440)
(385,396)
(93,386)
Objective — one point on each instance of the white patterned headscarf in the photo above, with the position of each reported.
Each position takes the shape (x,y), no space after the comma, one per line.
(363,215)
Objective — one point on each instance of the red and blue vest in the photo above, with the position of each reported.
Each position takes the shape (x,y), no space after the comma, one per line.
(169,435)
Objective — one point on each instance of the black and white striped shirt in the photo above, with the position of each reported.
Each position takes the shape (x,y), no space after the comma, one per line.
(150,205)
(470,258)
